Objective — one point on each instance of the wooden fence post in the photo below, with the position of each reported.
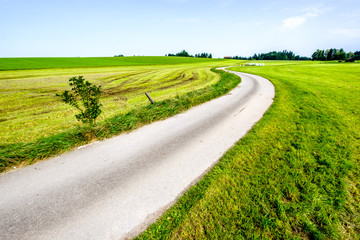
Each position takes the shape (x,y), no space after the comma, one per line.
(148,96)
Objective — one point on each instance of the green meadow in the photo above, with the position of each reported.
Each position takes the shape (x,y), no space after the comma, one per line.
(78,62)
(35,124)
(295,175)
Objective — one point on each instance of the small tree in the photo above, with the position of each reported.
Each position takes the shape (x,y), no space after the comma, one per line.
(86,93)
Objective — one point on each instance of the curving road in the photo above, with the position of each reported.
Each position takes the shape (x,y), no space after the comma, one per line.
(114,188)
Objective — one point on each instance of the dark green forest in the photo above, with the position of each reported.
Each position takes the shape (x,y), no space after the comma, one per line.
(332,54)
(281,55)
(335,54)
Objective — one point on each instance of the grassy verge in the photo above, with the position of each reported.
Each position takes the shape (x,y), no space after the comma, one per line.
(294,176)
(14,154)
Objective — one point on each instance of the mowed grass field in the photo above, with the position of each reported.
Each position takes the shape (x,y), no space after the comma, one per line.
(295,175)
(35,124)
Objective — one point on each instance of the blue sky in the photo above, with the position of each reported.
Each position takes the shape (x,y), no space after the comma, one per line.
(82,28)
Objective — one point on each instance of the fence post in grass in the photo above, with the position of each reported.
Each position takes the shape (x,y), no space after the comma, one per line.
(148,96)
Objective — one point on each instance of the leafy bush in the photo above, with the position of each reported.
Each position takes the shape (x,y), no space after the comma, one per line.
(89,96)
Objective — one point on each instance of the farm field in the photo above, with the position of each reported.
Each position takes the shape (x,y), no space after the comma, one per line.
(294,176)
(29,109)
(77,62)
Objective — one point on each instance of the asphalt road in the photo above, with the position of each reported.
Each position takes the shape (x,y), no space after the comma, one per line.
(113,189)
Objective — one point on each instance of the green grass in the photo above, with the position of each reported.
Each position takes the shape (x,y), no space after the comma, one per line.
(30,110)
(35,124)
(77,62)
(295,175)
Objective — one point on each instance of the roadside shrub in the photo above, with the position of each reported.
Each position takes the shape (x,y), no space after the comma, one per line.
(85,97)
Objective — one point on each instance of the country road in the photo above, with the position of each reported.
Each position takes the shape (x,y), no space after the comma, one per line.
(114,188)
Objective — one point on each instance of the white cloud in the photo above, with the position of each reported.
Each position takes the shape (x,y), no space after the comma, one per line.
(346,32)
(293,22)
(314,12)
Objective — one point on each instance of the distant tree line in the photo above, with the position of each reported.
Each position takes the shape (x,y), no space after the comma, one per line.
(283,55)
(241,58)
(203,55)
(184,53)
(120,55)
(335,54)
